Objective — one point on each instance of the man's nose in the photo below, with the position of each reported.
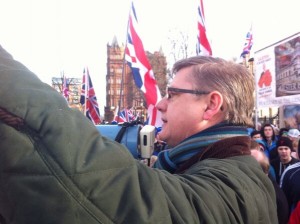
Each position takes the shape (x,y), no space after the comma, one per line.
(161,104)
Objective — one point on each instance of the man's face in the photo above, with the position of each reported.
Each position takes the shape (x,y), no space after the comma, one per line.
(284,153)
(268,132)
(257,136)
(182,113)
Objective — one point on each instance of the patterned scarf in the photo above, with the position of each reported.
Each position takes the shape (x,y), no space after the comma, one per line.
(171,159)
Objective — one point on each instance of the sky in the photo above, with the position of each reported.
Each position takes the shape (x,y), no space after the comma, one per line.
(50,36)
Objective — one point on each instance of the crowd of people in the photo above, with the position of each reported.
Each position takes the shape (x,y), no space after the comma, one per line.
(55,167)
(278,153)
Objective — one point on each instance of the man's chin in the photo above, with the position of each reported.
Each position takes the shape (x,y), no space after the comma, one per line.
(162,137)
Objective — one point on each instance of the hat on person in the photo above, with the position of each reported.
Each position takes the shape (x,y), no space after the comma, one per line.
(294,133)
(262,144)
(285,141)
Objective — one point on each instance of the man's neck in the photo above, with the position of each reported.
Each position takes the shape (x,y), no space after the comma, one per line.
(269,140)
(285,161)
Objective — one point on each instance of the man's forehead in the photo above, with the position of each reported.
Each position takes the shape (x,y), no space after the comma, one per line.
(182,79)
(283,147)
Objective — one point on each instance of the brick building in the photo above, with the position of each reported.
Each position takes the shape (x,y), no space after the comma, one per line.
(118,79)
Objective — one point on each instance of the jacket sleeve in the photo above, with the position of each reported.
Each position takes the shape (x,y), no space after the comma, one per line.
(55,167)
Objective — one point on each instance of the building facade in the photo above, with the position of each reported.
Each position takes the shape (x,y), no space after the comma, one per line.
(121,91)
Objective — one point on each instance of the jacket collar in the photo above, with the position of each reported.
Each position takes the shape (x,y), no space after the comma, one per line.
(229,147)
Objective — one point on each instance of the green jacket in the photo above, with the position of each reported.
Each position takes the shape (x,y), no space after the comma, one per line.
(55,167)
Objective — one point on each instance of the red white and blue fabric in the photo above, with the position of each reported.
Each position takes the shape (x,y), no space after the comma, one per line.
(130,115)
(65,88)
(203,47)
(126,115)
(141,69)
(120,117)
(88,98)
(248,44)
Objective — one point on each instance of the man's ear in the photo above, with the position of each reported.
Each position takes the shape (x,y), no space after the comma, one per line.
(214,104)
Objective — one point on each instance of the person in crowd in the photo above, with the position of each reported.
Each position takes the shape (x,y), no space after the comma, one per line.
(285,159)
(283,132)
(258,126)
(295,215)
(256,151)
(57,168)
(294,135)
(255,135)
(263,146)
(281,201)
(158,147)
(269,137)
(258,144)
(295,152)
(289,182)
(261,143)
(276,131)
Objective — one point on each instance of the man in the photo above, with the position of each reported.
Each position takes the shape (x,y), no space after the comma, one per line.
(260,156)
(255,135)
(57,168)
(283,132)
(290,181)
(269,137)
(285,159)
(293,134)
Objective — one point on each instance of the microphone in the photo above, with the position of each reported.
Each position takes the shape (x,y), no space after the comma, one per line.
(147,139)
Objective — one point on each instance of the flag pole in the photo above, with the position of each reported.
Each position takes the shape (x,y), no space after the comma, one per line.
(256,98)
(123,72)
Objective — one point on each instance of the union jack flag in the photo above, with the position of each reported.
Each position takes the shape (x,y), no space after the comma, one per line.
(130,115)
(88,98)
(141,69)
(126,115)
(120,117)
(248,44)
(203,46)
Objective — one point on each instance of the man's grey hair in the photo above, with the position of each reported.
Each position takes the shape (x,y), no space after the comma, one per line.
(232,80)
